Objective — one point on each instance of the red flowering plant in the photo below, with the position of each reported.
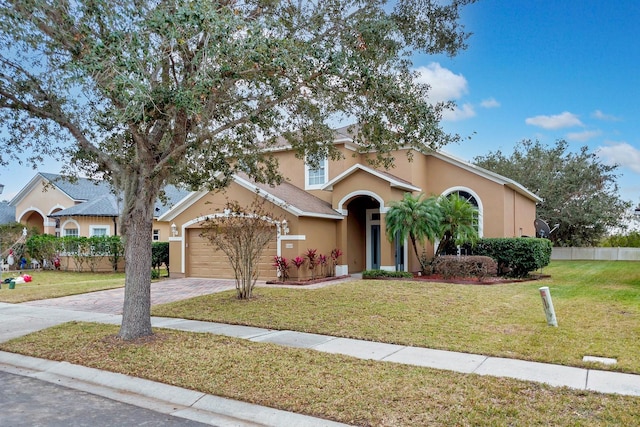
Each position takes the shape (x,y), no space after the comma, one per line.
(322,262)
(298,261)
(282,267)
(313,261)
(335,254)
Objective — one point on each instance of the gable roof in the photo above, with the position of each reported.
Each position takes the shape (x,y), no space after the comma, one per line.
(80,190)
(291,198)
(346,134)
(108,205)
(285,195)
(485,173)
(393,181)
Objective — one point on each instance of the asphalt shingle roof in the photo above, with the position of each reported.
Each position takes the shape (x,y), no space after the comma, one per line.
(81,189)
(105,205)
(295,197)
(108,204)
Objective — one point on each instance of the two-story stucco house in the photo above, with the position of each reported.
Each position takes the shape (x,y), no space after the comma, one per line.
(342,204)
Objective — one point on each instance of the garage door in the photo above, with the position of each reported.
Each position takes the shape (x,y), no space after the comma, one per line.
(203,260)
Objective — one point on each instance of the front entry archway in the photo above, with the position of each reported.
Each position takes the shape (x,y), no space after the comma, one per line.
(33,219)
(364,234)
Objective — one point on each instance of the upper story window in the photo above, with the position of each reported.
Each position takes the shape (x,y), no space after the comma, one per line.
(314,178)
(156,235)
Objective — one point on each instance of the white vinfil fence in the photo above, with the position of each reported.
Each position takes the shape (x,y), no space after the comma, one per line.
(599,254)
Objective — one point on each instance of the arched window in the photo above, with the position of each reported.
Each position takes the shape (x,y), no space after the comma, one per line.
(474,200)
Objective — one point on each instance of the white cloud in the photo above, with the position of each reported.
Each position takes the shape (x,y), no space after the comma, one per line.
(445,85)
(583,136)
(459,113)
(602,116)
(620,153)
(490,103)
(563,120)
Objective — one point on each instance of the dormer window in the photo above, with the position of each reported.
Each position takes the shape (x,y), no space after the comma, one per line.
(316,177)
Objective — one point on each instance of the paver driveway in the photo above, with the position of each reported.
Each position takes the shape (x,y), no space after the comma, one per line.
(112,300)
(170,290)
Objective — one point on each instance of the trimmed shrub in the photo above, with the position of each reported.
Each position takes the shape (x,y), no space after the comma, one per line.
(450,266)
(381,274)
(517,256)
(160,255)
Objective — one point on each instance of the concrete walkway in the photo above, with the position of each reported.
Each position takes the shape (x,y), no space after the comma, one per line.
(20,319)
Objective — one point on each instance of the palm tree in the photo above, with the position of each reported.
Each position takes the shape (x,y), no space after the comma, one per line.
(415,217)
(457,225)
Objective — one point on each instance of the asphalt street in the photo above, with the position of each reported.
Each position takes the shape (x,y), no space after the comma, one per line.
(29,402)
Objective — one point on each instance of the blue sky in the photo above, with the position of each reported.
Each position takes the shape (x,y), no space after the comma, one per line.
(546,70)
(538,69)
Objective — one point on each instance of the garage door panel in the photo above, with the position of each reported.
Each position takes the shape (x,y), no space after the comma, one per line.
(203,260)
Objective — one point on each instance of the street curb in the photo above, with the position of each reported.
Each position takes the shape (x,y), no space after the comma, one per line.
(156,396)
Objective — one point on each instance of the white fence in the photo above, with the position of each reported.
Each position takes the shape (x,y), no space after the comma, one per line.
(601,254)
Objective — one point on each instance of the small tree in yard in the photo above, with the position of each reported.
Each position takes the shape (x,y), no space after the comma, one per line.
(414,217)
(242,234)
(457,224)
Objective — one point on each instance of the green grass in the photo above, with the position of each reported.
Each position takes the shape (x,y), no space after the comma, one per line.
(54,284)
(598,309)
(597,305)
(337,387)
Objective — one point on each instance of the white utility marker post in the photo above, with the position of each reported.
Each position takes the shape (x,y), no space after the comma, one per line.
(548,306)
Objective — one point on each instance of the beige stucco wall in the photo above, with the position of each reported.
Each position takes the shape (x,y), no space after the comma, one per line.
(209,204)
(33,209)
(293,168)
(312,233)
(85,224)
(505,212)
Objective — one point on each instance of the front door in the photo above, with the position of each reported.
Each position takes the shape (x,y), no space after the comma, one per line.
(373,239)
(399,246)
(375,247)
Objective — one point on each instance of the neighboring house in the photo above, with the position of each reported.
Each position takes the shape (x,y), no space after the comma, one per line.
(342,204)
(80,208)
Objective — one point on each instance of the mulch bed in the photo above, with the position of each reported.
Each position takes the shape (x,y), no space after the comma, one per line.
(306,281)
(476,281)
(429,278)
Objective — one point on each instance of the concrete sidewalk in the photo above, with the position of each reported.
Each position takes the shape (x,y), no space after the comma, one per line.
(16,320)
(21,319)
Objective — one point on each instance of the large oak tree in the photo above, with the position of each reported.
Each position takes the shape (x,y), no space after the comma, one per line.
(579,193)
(150,92)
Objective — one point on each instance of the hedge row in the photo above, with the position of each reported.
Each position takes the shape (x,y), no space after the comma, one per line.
(450,266)
(516,257)
(86,249)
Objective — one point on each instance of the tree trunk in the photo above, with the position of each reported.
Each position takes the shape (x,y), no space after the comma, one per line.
(137,223)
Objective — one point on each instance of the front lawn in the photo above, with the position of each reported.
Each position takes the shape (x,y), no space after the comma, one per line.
(597,305)
(598,309)
(342,388)
(54,284)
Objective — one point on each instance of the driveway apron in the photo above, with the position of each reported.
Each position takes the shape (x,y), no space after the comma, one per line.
(112,300)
